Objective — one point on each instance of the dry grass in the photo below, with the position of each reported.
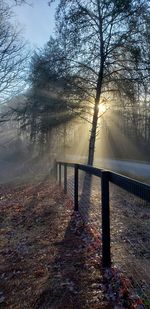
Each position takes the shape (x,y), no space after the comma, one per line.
(42,253)
(49,258)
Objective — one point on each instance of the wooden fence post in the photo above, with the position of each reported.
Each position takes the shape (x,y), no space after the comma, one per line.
(65,178)
(106,257)
(55,170)
(76,187)
(59,174)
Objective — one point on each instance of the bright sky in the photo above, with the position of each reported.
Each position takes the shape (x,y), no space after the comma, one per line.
(37,21)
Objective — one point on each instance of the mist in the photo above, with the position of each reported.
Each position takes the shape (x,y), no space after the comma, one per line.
(22,160)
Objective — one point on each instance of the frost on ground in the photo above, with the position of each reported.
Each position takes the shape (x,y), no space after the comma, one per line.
(49,258)
(130,231)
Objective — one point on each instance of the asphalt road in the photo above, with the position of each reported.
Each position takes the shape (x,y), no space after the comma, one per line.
(131,168)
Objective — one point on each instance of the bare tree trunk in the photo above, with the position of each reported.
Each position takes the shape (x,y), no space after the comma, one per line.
(98,91)
(95,117)
(93,136)
(87,184)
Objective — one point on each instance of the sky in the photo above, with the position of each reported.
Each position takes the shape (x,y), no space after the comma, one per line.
(37,21)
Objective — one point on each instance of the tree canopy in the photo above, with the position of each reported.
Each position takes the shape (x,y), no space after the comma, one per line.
(104,45)
(55,96)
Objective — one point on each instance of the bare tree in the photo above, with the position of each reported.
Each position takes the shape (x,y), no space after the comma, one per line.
(102,40)
(13,55)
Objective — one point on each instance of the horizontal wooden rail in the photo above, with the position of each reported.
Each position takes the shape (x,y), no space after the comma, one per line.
(90,170)
(65,163)
(133,186)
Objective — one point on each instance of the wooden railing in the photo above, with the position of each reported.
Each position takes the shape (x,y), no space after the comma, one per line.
(137,188)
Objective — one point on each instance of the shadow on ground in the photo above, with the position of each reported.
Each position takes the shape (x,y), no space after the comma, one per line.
(48,258)
(75,280)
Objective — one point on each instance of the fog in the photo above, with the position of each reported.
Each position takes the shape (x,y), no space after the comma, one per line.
(22,160)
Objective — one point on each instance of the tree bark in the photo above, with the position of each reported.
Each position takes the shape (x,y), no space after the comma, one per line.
(98,92)
(95,116)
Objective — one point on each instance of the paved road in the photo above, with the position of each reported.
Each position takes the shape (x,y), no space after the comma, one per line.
(131,167)
(134,168)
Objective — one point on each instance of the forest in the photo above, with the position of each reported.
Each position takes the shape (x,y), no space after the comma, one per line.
(92,76)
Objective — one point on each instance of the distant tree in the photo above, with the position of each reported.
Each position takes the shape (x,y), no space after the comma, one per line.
(102,41)
(55,97)
(13,55)
(135,90)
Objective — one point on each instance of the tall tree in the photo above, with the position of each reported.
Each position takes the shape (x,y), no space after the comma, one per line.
(55,96)
(100,40)
(13,55)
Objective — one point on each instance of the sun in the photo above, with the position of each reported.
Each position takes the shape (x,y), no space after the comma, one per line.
(102,108)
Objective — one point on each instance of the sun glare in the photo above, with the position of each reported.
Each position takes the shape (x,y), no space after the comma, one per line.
(102,108)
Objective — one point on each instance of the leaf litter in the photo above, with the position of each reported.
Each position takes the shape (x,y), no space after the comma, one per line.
(49,258)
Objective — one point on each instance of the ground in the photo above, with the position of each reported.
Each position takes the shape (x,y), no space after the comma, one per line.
(49,258)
